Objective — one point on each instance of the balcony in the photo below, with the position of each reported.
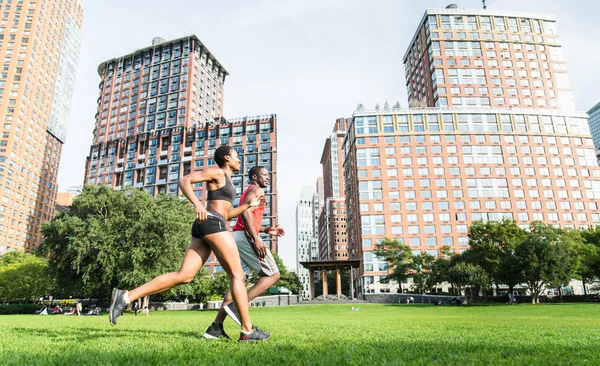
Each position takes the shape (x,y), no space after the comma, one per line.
(141,156)
(186,158)
(118,188)
(120,161)
(161,181)
(187,149)
(119,170)
(139,185)
(140,165)
(163,162)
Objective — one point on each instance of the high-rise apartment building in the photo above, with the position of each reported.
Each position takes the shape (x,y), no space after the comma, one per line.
(160,117)
(316,207)
(503,141)
(594,123)
(464,57)
(39,46)
(304,235)
(332,218)
(423,175)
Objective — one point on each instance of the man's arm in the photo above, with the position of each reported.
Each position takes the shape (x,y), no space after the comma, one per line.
(260,248)
(247,216)
(248,204)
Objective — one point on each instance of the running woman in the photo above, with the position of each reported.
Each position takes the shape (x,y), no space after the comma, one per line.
(209,234)
(254,253)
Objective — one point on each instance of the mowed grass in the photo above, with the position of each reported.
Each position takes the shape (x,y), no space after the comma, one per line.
(557,334)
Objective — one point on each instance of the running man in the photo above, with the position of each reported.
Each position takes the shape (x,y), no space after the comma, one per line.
(254,253)
(209,234)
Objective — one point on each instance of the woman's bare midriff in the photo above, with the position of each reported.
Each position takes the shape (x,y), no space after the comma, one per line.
(219,206)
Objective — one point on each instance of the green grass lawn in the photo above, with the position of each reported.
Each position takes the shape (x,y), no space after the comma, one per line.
(546,334)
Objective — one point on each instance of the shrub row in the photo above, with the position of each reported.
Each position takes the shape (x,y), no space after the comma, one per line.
(18,309)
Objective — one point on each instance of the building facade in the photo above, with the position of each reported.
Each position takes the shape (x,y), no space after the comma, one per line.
(39,45)
(305,236)
(160,117)
(594,122)
(332,226)
(464,57)
(421,176)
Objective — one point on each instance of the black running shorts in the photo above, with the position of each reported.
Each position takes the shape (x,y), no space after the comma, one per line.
(210,226)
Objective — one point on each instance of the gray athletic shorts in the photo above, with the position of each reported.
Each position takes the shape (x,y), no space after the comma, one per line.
(250,261)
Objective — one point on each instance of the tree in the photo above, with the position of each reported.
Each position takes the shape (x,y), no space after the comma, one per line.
(377,107)
(508,271)
(541,260)
(397,106)
(468,277)
(573,244)
(588,270)
(386,106)
(489,243)
(360,107)
(201,287)
(422,272)
(24,276)
(114,238)
(286,278)
(400,258)
(439,267)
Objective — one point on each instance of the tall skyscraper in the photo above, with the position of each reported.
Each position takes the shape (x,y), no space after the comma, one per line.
(304,235)
(464,57)
(160,117)
(332,218)
(422,175)
(39,43)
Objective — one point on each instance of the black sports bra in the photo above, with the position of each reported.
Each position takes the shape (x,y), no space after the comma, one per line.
(225,193)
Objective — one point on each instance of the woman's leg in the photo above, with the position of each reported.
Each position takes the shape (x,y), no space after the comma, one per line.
(223,245)
(195,256)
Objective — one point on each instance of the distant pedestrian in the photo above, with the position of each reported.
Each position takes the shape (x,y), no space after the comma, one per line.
(136,307)
(78,308)
(147,310)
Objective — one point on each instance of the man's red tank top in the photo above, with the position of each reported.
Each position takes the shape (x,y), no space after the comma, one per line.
(257,214)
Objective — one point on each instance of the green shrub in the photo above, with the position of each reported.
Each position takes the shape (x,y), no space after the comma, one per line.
(18,309)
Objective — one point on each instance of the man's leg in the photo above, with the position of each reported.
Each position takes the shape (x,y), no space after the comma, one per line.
(250,262)
(268,272)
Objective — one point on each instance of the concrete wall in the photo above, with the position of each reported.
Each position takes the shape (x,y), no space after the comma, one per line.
(275,300)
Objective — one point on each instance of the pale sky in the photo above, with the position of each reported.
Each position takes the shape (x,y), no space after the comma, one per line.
(308,61)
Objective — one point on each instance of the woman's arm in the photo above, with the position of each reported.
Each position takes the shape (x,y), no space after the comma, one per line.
(253,201)
(186,185)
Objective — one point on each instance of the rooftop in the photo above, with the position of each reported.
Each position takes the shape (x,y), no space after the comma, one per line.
(480,12)
(140,50)
(491,110)
(595,109)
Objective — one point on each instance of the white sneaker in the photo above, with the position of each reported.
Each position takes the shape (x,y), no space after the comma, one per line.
(233,313)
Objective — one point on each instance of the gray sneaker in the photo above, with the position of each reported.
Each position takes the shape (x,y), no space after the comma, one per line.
(231,310)
(117,305)
(256,335)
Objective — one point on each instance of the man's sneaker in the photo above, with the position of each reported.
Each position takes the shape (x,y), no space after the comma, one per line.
(231,310)
(215,331)
(117,305)
(255,336)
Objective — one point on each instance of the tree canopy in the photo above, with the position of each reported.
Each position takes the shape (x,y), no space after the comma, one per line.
(112,238)
(24,276)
